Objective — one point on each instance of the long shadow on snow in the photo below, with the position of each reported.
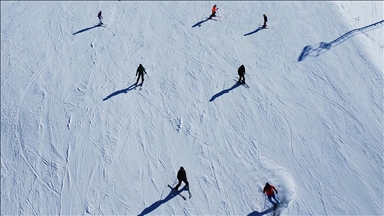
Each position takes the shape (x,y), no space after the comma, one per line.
(86,29)
(157,204)
(224,91)
(199,23)
(256,213)
(322,47)
(120,91)
(258,29)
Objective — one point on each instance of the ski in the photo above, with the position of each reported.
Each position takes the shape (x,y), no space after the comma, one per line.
(141,85)
(278,208)
(243,84)
(211,18)
(177,192)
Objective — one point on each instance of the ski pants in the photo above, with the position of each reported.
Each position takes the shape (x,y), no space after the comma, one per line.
(182,180)
(138,78)
(241,77)
(212,15)
(274,197)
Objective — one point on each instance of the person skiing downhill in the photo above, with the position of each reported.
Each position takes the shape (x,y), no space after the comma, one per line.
(265,20)
(241,72)
(100,18)
(214,9)
(140,71)
(270,191)
(182,177)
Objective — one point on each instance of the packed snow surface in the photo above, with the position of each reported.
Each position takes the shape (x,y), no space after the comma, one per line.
(78,138)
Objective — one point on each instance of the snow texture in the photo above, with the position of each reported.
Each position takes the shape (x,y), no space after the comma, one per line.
(77,137)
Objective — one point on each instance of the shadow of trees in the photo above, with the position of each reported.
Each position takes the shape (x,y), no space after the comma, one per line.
(324,46)
(224,91)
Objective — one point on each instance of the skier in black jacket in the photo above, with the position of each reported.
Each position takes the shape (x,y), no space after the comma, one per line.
(100,18)
(241,72)
(140,71)
(182,177)
(265,20)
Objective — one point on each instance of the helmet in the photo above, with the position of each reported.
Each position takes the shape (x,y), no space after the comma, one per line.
(181,168)
(264,15)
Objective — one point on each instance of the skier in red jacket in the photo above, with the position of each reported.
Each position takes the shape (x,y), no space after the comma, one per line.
(214,9)
(270,191)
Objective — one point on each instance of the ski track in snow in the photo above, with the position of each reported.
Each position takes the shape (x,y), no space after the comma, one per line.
(302,126)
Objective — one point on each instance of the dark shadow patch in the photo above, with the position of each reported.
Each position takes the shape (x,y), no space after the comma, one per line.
(224,91)
(256,213)
(86,29)
(253,32)
(133,86)
(157,204)
(199,23)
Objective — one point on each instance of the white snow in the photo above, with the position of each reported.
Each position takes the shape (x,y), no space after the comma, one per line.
(77,139)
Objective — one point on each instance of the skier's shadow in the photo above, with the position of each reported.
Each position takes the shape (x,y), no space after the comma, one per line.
(258,29)
(256,213)
(86,29)
(199,23)
(120,92)
(224,91)
(157,204)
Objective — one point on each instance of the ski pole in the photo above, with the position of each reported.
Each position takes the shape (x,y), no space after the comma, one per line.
(265,201)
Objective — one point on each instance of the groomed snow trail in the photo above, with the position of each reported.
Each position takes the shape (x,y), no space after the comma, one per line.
(77,138)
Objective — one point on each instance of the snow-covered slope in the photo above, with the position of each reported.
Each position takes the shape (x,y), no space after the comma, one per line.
(77,138)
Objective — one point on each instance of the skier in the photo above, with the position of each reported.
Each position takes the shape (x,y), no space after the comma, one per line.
(269,190)
(182,177)
(140,71)
(241,72)
(214,9)
(100,18)
(265,20)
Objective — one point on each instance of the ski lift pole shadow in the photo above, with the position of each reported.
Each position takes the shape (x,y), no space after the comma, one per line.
(322,47)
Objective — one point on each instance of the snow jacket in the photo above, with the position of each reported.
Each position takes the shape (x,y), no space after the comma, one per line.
(214,9)
(181,175)
(140,70)
(269,190)
(241,70)
(265,18)
(99,15)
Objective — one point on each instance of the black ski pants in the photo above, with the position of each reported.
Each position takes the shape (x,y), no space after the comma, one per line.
(182,180)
